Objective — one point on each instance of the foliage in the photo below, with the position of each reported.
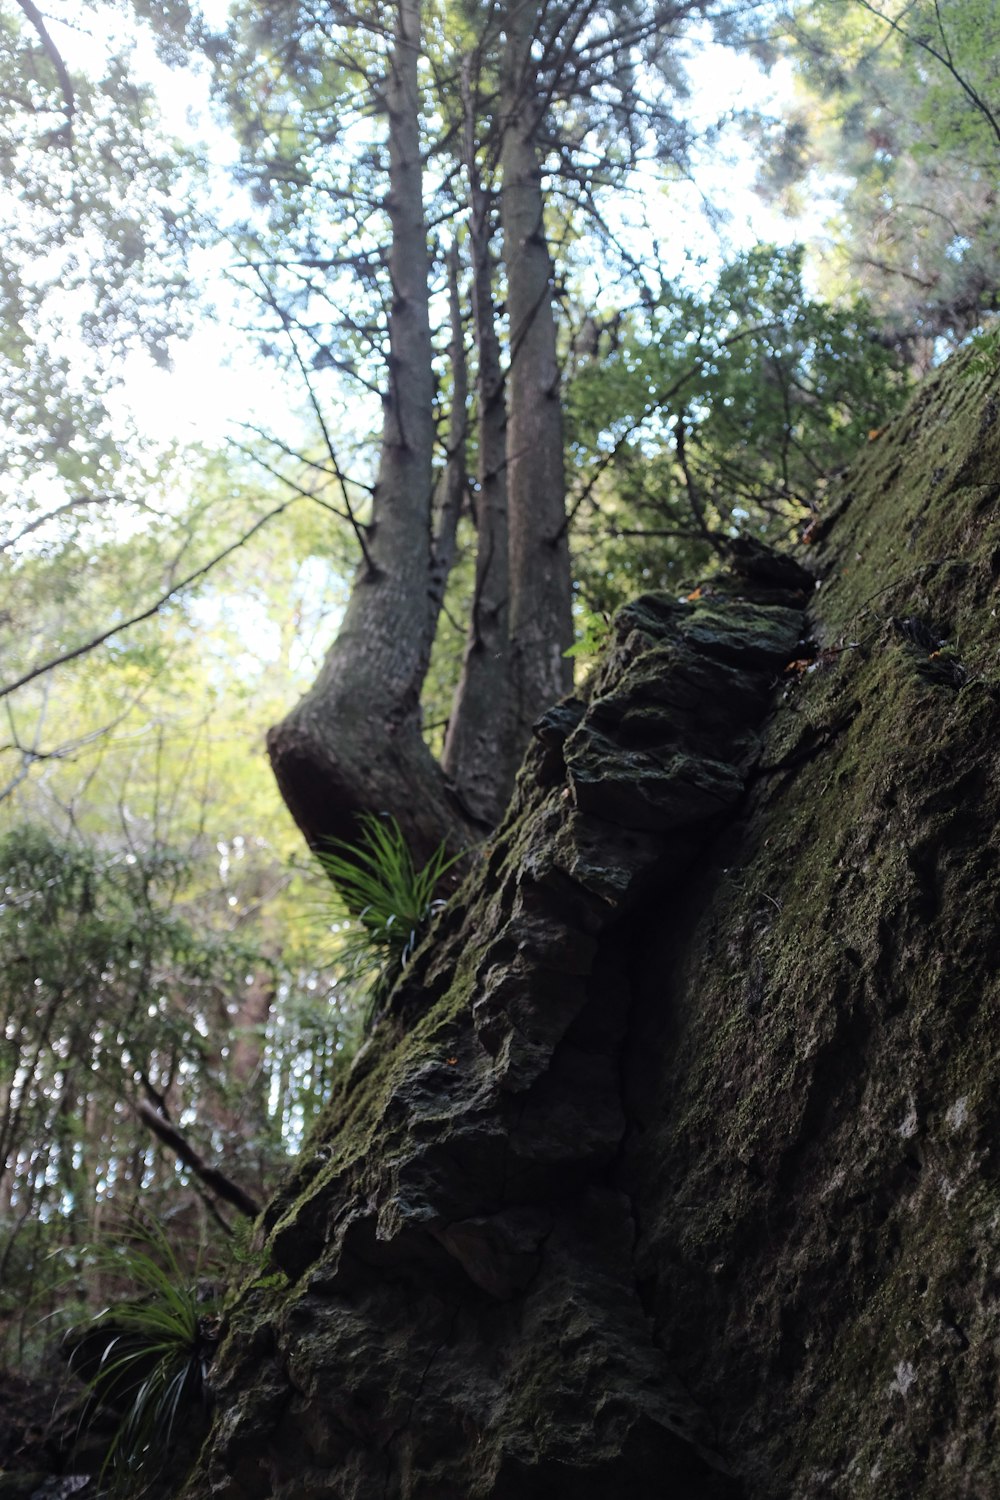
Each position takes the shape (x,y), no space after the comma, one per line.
(107,985)
(304,91)
(987,352)
(386,898)
(150,929)
(898,120)
(593,629)
(96,238)
(159,1343)
(113,990)
(103,993)
(716,412)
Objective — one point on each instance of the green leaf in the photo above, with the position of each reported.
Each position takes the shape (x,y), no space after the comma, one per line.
(386,899)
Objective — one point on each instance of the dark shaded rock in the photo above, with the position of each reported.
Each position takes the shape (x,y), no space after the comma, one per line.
(758,564)
(21,1484)
(669,1170)
(45,1453)
(461,1315)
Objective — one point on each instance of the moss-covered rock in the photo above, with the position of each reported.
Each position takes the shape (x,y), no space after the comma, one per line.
(458,1313)
(814,1067)
(669,1170)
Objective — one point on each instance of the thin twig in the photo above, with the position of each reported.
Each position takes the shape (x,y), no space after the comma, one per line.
(357,528)
(145,614)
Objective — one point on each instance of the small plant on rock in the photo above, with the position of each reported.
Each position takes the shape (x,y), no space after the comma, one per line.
(145,1359)
(388,901)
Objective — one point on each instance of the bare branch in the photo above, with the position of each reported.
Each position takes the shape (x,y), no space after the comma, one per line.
(694,495)
(307,463)
(76,503)
(286,322)
(145,614)
(220,1184)
(34,15)
(300,490)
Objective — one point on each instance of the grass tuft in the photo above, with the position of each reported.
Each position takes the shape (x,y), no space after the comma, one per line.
(389,902)
(146,1358)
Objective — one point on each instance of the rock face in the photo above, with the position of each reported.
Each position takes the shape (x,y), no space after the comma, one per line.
(670,1170)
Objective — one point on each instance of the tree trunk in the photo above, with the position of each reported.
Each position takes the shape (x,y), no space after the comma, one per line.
(482,748)
(541,625)
(235,1119)
(670,1168)
(455,480)
(353,744)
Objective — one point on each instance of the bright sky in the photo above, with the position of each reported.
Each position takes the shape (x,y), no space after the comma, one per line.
(218,379)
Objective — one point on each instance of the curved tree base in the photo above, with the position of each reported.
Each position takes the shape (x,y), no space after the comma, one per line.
(334,766)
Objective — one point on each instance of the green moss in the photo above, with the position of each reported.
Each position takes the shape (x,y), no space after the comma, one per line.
(812,1073)
(833,1018)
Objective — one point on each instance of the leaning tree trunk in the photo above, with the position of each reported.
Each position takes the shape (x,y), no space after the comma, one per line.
(353,744)
(541,625)
(670,1169)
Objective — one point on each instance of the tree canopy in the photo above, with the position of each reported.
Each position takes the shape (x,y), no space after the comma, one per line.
(901,105)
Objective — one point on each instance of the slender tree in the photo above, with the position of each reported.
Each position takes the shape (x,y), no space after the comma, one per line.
(541,629)
(496,97)
(354,742)
(480,747)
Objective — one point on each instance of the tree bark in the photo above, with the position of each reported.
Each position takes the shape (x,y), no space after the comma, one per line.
(541,624)
(353,744)
(455,479)
(482,749)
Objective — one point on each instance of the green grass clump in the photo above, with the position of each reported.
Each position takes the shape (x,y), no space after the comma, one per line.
(151,1368)
(388,900)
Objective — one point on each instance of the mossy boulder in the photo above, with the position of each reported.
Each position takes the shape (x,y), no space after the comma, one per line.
(670,1168)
